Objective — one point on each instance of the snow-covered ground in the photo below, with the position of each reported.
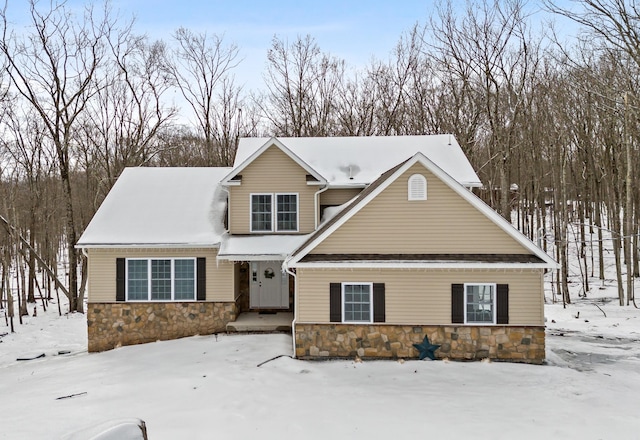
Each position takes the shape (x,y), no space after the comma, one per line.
(211,387)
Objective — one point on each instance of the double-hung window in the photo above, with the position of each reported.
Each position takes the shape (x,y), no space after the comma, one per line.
(274,212)
(480,303)
(357,302)
(261,212)
(161,279)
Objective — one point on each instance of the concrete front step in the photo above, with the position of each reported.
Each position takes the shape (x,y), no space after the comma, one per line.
(264,323)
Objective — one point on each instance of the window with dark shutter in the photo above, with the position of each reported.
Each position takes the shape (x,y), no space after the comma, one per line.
(502,304)
(335,302)
(378,302)
(120,279)
(457,303)
(201,284)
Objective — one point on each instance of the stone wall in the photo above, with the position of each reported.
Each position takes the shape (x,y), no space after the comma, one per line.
(514,344)
(112,325)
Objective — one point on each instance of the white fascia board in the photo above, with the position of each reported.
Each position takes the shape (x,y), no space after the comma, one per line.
(345,186)
(417,265)
(248,257)
(259,151)
(149,245)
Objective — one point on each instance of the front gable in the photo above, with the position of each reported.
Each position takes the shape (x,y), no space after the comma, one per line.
(440,223)
(416,215)
(273,171)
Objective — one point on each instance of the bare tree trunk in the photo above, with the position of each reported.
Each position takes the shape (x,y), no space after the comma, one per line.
(70,235)
(9,301)
(23,290)
(31,298)
(614,219)
(582,250)
(598,222)
(17,281)
(628,213)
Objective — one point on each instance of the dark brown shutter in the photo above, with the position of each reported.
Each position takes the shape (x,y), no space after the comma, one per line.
(202,279)
(378,302)
(120,279)
(457,303)
(335,302)
(502,304)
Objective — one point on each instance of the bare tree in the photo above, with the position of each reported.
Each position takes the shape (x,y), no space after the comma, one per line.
(491,47)
(302,88)
(201,71)
(612,27)
(26,147)
(122,119)
(53,67)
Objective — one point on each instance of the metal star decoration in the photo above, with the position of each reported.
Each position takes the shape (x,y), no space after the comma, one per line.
(426,349)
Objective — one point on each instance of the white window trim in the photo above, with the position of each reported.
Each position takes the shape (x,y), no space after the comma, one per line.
(422,180)
(352,283)
(173,279)
(274,212)
(493,307)
(275,209)
(251,212)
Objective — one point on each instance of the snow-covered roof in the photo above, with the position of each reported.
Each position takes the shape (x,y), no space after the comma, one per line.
(259,247)
(358,161)
(379,185)
(160,207)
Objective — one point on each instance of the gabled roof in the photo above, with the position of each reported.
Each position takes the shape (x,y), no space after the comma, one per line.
(262,145)
(380,185)
(168,207)
(358,161)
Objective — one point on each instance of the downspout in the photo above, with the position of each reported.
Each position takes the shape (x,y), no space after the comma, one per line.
(316,202)
(225,189)
(295,305)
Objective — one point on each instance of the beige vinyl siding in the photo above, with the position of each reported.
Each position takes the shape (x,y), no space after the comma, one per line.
(272,172)
(420,297)
(102,271)
(338,196)
(444,223)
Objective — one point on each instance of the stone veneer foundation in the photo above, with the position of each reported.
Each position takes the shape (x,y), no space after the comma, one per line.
(112,325)
(513,344)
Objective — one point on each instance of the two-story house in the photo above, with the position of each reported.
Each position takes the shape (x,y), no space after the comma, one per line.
(372,243)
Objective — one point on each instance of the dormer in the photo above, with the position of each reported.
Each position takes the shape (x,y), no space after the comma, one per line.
(272,192)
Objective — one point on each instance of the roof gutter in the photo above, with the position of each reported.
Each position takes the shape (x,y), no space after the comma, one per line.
(408,264)
(148,246)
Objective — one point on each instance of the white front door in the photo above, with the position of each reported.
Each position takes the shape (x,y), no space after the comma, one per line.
(269,285)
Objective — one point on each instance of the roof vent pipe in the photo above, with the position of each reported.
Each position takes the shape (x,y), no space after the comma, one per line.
(350,173)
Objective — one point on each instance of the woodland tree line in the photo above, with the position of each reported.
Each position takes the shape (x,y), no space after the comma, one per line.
(550,123)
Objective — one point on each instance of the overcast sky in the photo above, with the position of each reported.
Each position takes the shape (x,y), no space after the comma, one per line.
(354,30)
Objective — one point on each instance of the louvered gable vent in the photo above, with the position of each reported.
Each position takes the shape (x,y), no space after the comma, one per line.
(417,187)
